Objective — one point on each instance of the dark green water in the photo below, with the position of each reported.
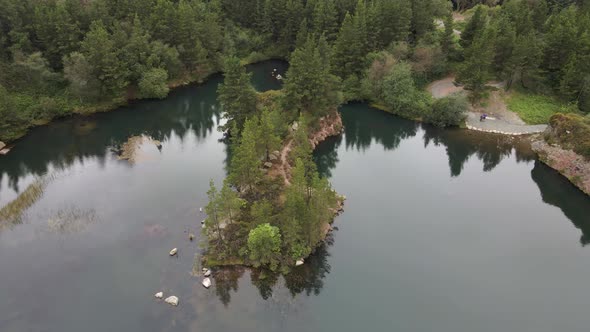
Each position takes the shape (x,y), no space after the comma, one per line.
(444,230)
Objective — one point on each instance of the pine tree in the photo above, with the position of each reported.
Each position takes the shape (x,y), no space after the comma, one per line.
(475,70)
(214,218)
(229,202)
(245,164)
(474,27)
(448,43)
(268,139)
(236,94)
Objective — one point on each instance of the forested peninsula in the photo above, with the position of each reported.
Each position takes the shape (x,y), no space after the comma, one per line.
(62,57)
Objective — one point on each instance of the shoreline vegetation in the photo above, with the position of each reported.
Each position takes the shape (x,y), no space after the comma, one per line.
(273,209)
(59,58)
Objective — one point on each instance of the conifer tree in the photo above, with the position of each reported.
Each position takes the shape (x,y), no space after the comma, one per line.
(236,94)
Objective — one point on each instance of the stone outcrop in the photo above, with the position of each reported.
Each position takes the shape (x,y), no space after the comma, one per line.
(329,125)
(570,164)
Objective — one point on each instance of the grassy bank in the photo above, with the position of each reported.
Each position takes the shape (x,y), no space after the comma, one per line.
(536,109)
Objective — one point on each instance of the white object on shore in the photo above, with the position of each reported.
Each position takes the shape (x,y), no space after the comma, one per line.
(172,300)
(206,282)
(159,295)
(173,251)
(207,273)
(299,262)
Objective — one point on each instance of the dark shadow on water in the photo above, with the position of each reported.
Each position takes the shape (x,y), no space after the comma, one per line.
(364,126)
(191,109)
(556,190)
(307,279)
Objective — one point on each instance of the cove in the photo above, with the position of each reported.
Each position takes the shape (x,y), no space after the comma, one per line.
(445,230)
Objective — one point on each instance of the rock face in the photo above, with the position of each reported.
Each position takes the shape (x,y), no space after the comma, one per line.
(172,300)
(206,283)
(330,125)
(571,165)
(159,295)
(173,251)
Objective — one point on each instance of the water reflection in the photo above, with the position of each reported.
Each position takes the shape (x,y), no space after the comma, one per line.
(307,279)
(364,125)
(77,139)
(557,191)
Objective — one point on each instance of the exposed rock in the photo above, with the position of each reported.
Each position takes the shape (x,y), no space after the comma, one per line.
(205,269)
(570,164)
(207,273)
(200,209)
(295,126)
(4,151)
(330,125)
(173,251)
(2,145)
(172,300)
(206,282)
(267,164)
(191,236)
(299,262)
(159,295)
(279,77)
(203,221)
(272,157)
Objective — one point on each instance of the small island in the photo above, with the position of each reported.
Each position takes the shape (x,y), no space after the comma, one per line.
(274,209)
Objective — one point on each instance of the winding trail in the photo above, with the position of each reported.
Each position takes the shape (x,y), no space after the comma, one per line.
(284,167)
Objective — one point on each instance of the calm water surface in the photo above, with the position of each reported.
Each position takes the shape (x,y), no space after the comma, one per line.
(444,230)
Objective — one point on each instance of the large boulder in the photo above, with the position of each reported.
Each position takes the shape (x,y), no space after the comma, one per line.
(206,283)
(172,300)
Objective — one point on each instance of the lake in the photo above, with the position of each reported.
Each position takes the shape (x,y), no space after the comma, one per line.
(443,230)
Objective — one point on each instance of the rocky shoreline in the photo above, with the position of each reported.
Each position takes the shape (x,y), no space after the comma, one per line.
(568,163)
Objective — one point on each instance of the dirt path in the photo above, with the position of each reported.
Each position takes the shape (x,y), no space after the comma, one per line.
(444,87)
(284,167)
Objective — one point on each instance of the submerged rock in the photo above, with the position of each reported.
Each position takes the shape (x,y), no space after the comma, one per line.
(206,282)
(173,251)
(172,300)
(159,295)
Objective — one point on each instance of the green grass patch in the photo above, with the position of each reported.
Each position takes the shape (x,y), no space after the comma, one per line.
(536,109)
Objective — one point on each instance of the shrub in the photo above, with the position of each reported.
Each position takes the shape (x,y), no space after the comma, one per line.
(448,111)
(153,83)
(571,131)
(264,245)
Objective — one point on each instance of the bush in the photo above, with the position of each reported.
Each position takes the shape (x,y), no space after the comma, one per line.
(448,111)
(571,131)
(264,245)
(401,95)
(154,83)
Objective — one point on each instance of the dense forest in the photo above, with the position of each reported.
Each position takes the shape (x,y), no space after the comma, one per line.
(60,57)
